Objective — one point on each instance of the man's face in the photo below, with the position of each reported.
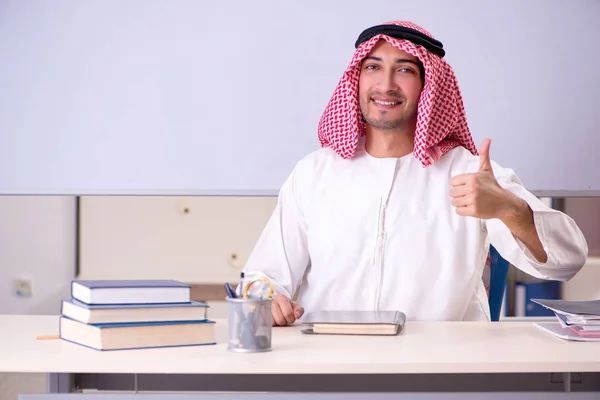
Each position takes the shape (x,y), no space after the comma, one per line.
(389,87)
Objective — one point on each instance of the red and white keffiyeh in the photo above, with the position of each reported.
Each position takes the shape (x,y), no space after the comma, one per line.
(441,119)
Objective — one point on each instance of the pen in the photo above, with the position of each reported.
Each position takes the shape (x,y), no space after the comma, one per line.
(230,292)
(241,281)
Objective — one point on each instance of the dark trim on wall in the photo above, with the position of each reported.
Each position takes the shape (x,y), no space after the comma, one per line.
(77,235)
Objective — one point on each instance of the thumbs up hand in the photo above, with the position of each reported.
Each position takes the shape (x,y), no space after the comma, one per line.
(479,194)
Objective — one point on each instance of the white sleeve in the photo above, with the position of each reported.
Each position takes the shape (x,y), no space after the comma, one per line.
(562,239)
(281,252)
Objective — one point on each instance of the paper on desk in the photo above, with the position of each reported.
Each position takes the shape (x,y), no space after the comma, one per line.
(554,328)
(588,309)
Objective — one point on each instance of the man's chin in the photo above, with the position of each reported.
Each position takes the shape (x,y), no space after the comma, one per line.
(384,124)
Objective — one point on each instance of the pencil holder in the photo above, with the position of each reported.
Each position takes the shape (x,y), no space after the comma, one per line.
(250,324)
(250,320)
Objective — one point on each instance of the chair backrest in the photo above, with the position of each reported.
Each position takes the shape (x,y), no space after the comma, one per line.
(498,273)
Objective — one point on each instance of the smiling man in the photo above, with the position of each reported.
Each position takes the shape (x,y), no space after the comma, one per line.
(397,211)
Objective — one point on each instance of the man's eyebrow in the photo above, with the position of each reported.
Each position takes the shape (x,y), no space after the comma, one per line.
(398,60)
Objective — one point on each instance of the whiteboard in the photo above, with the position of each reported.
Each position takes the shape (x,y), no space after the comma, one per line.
(224,97)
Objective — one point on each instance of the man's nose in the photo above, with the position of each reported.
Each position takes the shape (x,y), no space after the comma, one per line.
(388,83)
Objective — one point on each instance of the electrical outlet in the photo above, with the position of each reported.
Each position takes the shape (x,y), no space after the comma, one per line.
(23,287)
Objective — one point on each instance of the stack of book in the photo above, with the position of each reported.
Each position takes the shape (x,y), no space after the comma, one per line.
(577,320)
(133,314)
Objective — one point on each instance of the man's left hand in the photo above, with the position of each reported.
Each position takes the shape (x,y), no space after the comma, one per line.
(479,194)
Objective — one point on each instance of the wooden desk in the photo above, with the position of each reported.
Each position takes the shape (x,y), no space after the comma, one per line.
(452,356)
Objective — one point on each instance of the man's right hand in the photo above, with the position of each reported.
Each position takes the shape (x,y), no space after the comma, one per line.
(285,311)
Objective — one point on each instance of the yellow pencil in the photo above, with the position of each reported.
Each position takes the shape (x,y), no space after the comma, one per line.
(47,337)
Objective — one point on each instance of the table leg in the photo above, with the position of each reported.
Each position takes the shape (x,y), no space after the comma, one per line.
(567,381)
(59,383)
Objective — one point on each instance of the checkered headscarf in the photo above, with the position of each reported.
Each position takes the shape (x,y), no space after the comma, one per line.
(441,120)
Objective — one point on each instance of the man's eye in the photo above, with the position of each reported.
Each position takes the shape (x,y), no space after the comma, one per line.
(406,70)
(371,67)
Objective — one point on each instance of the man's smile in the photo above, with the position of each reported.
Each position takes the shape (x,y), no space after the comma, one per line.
(386,103)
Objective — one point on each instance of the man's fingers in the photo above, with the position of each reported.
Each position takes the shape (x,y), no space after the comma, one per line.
(462,179)
(468,211)
(484,156)
(298,310)
(286,308)
(278,318)
(284,311)
(462,201)
(459,191)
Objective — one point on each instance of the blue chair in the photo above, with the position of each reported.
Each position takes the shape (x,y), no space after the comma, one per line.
(498,272)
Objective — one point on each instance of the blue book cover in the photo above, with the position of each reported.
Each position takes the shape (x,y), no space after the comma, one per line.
(117,313)
(152,323)
(131,283)
(78,303)
(130,291)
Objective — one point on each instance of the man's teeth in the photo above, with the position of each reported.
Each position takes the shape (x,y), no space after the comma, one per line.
(386,103)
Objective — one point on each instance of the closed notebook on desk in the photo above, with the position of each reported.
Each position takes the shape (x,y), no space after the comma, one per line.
(355,322)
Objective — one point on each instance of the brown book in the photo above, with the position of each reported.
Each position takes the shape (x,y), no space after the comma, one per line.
(355,322)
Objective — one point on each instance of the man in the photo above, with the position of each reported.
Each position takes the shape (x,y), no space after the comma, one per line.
(397,211)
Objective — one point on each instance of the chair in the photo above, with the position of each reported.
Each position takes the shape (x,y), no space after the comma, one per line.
(498,273)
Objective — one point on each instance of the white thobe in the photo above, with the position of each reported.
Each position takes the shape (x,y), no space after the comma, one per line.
(372,233)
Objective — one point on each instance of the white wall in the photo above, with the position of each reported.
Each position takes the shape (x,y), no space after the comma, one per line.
(89,81)
(37,242)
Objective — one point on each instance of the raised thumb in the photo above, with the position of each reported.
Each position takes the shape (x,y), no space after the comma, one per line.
(484,156)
